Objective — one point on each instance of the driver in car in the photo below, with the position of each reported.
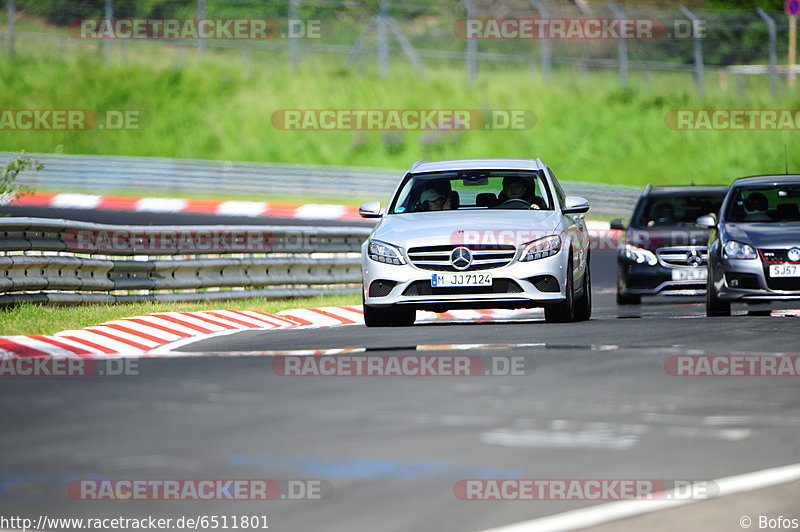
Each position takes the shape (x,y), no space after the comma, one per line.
(515,194)
(755,207)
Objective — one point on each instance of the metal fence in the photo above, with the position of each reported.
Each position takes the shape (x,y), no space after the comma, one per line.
(100,174)
(376,36)
(67,262)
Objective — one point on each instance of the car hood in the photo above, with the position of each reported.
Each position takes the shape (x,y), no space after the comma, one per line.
(467,227)
(667,236)
(765,235)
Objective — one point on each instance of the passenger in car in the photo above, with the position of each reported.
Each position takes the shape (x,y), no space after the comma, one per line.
(665,216)
(433,200)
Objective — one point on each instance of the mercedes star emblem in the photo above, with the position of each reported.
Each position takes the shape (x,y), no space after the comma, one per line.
(693,257)
(461,258)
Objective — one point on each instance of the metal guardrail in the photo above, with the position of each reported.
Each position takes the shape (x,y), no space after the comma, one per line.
(65,262)
(103,173)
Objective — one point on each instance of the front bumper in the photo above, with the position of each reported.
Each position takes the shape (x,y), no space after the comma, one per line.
(642,279)
(513,286)
(752,282)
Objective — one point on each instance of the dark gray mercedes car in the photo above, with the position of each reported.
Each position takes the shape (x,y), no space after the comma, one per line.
(754,246)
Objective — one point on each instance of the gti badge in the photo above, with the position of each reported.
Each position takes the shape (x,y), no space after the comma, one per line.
(793,255)
(461,258)
(693,257)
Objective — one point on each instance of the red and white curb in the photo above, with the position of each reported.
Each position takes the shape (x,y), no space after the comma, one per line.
(157,334)
(199,206)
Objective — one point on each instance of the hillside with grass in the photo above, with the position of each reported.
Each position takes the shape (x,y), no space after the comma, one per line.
(220,107)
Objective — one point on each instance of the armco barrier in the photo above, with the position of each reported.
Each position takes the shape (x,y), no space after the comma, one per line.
(65,262)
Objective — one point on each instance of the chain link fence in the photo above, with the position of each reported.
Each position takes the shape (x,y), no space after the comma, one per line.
(379,35)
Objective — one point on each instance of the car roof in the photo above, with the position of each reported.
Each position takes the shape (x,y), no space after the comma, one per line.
(477,164)
(775,179)
(692,190)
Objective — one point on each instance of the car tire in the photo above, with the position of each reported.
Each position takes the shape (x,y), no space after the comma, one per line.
(389,316)
(583,305)
(624,298)
(565,311)
(714,305)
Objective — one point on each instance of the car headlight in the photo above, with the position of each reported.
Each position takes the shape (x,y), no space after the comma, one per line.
(640,256)
(738,250)
(383,252)
(541,248)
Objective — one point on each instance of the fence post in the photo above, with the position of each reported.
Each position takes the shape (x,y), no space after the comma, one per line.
(107,43)
(698,51)
(622,48)
(472,45)
(773,56)
(383,39)
(10,32)
(292,36)
(544,44)
(201,14)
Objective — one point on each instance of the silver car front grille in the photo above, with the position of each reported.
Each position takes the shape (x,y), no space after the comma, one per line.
(484,257)
(686,256)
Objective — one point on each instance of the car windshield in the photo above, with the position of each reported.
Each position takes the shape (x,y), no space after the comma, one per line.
(473,190)
(676,210)
(773,204)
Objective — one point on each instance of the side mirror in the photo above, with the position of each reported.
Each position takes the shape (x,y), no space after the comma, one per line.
(709,221)
(371,209)
(575,205)
(618,223)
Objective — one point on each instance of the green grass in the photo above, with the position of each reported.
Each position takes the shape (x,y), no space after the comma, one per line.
(39,319)
(587,129)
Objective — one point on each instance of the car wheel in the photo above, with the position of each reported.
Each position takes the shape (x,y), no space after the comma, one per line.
(714,305)
(623,298)
(583,306)
(628,299)
(564,311)
(389,316)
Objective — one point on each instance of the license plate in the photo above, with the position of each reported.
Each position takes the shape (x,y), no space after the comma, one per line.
(694,274)
(461,279)
(784,270)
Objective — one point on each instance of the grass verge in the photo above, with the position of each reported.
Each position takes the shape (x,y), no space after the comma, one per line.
(39,319)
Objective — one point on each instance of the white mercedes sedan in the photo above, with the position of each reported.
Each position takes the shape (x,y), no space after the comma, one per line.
(477,233)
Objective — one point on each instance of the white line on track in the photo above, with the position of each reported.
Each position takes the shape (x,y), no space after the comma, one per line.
(604,513)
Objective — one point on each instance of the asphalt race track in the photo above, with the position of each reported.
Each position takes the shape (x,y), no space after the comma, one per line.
(597,402)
